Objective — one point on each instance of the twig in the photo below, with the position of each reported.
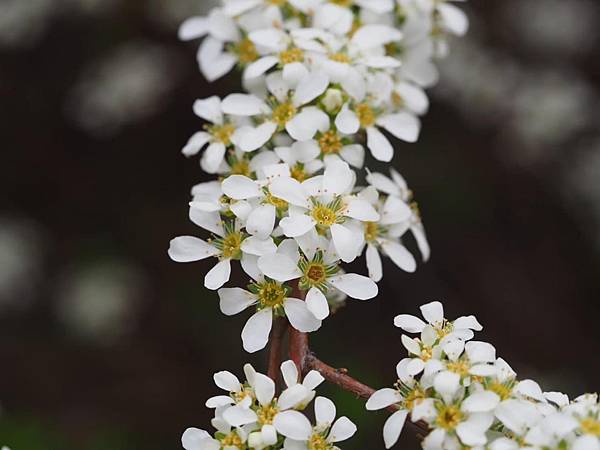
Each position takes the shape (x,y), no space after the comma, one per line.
(279,327)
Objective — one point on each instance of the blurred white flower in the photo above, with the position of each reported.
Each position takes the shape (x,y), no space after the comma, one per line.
(23,22)
(21,253)
(124,87)
(99,302)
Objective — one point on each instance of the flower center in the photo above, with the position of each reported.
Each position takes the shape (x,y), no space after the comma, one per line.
(239,396)
(426,353)
(504,391)
(449,417)
(266,414)
(590,426)
(241,167)
(281,205)
(230,245)
(316,273)
(222,133)
(292,55)
(246,51)
(271,295)
(232,440)
(277,2)
(330,142)
(283,113)
(397,100)
(318,442)
(366,115)
(324,215)
(298,173)
(371,231)
(460,367)
(344,3)
(340,57)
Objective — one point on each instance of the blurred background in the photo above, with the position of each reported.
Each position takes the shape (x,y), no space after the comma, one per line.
(105,343)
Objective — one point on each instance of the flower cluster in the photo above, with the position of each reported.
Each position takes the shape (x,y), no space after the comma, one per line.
(469,398)
(249,416)
(324,80)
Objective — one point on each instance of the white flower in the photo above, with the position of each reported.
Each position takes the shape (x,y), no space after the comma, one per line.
(291,377)
(397,188)
(288,112)
(229,245)
(272,299)
(217,136)
(301,435)
(217,29)
(197,439)
(316,276)
(268,409)
(323,203)
(433,313)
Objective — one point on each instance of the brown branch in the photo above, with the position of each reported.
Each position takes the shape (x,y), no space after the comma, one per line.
(275,350)
(340,378)
(298,348)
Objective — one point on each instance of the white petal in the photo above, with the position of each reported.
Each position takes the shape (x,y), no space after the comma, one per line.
(238,415)
(345,242)
(218,401)
(395,211)
(393,427)
(361,210)
(298,225)
(209,109)
(300,317)
(189,249)
(324,411)
(264,388)
(240,187)
(305,125)
(413,97)
(249,139)
(293,73)
(411,345)
(289,372)
(260,67)
(290,190)
(234,300)
(587,442)
(338,178)
(472,431)
(310,87)
(261,221)
(227,381)
(531,389)
(383,184)
(258,247)
(434,440)
(193,437)
(483,401)
(193,28)
(446,384)
(355,286)
(379,145)
(454,19)
(469,322)
(213,62)
(342,429)
(354,84)
(210,221)
(213,157)
(271,38)
(293,424)
(374,263)
(346,121)
(243,105)
(433,312)
(312,380)
(223,27)
(255,334)
(400,255)
(408,323)
(196,143)
(317,303)
(383,398)
(292,396)
(404,126)
(279,267)
(218,275)
(369,36)
(480,352)
(354,155)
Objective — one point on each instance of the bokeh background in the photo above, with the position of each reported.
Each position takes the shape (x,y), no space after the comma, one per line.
(105,343)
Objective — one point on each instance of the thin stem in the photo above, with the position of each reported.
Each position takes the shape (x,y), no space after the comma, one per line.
(298,348)
(340,378)
(277,335)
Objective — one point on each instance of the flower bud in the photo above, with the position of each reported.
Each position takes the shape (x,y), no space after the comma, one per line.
(333,100)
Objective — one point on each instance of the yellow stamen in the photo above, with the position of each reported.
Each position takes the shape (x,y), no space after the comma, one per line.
(449,417)
(283,113)
(330,142)
(292,55)
(366,115)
